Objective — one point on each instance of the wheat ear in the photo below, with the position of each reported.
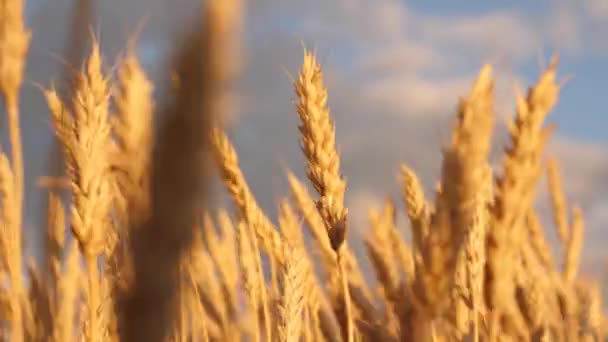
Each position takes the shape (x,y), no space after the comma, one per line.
(294,283)
(317,132)
(515,189)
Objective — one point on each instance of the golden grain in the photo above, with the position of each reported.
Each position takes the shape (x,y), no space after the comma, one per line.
(162,264)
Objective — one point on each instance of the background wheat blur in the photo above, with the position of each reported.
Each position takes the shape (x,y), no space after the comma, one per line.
(138,252)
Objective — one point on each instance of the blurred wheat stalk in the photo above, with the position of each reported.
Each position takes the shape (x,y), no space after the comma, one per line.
(159,266)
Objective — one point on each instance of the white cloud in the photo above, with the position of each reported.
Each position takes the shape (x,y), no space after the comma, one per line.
(502,32)
(359,204)
(597,8)
(564,29)
(393,85)
(411,95)
(394,94)
(406,56)
(585,167)
(596,218)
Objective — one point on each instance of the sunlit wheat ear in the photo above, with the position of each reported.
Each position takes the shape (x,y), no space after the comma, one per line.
(293,275)
(467,185)
(528,138)
(515,190)
(480,268)
(455,234)
(317,134)
(86,138)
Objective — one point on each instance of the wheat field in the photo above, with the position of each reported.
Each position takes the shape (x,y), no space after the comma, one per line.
(136,253)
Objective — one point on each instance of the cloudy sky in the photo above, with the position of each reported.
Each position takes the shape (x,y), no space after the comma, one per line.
(394,70)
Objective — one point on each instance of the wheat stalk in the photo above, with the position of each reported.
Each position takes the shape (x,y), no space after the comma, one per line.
(14,44)
(68,291)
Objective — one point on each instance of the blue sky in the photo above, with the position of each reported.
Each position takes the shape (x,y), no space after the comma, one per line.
(394,70)
(582,112)
(583,109)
